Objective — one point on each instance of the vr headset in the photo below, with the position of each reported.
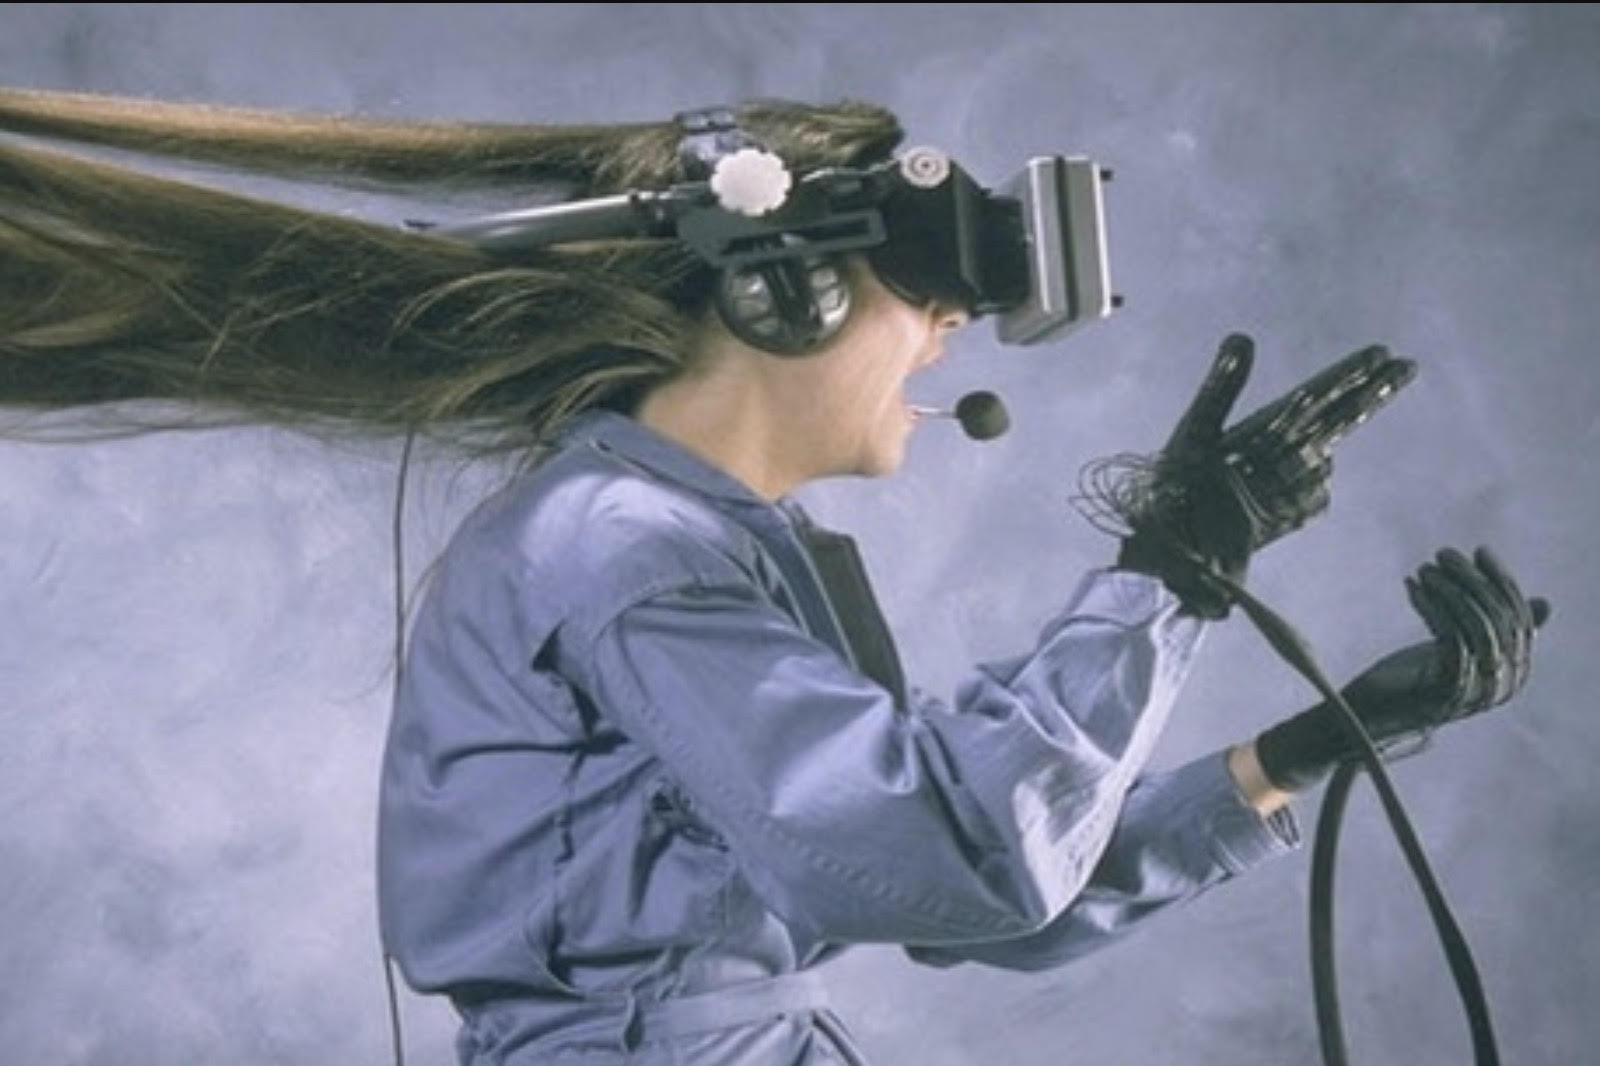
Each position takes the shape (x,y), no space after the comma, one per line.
(1031,253)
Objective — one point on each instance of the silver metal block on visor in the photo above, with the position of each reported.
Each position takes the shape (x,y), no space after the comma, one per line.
(1063,215)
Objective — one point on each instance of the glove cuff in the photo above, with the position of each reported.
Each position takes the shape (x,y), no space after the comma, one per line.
(1150,553)
(1299,752)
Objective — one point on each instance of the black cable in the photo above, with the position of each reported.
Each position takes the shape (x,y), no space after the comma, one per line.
(398,546)
(1324,978)
(1463,969)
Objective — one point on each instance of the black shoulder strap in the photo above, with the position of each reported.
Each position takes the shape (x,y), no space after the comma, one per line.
(844,578)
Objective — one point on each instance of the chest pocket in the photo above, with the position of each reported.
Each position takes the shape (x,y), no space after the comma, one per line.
(647,878)
(673,812)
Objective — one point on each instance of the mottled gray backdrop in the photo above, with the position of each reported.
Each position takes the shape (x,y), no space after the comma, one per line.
(196,629)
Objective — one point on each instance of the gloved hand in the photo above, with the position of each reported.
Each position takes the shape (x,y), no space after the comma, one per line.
(1212,497)
(1479,657)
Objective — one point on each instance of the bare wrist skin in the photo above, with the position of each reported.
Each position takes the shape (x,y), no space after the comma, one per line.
(1252,782)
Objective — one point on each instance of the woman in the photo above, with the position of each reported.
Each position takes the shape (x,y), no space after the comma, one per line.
(652,756)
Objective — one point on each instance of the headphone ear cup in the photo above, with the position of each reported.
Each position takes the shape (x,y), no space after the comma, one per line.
(790,307)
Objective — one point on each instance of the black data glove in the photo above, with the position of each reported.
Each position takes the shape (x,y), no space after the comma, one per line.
(1214,496)
(1479,657)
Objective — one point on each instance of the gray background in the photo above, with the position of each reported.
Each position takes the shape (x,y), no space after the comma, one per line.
(196,629)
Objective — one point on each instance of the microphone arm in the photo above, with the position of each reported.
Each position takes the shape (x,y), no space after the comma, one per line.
(982,415)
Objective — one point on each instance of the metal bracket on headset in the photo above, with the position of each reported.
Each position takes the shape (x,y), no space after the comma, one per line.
(708,135)
(732,241)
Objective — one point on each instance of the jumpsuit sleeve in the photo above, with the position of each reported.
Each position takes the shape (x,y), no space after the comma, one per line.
(1181,832)
(857,820)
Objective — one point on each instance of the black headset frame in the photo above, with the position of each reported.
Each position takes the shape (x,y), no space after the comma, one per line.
(1032,253)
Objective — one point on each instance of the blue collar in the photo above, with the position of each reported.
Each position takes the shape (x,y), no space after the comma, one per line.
(783,527)
(665,458)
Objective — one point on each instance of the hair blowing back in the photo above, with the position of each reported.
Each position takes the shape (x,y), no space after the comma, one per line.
(117,285)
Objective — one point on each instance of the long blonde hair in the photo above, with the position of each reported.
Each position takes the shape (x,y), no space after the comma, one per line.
(117,285)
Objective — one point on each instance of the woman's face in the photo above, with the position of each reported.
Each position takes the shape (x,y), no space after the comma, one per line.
(856,385)
(776,422)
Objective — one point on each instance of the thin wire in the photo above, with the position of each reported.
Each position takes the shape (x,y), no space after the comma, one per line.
(396,1040)
(397,533)
(1112,489)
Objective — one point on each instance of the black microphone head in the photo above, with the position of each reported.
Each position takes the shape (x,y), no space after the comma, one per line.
(982,415)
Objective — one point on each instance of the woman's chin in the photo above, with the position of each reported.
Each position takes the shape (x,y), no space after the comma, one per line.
(884,460)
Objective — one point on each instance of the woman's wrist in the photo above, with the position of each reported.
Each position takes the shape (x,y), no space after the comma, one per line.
(1254,786)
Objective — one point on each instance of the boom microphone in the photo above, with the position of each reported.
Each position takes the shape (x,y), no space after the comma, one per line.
(981,414)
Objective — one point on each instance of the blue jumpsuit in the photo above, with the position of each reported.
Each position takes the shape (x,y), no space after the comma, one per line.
(639,782)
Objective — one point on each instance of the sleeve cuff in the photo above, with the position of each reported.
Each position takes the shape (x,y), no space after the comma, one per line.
(1123,596)
(1240,836)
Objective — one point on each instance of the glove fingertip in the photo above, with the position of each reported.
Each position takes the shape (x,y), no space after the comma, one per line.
(1235,358)
(1433,577)
(1236,355)
(1428,604)
(1374,355)
(1393,372)
(1242,343)
(1541,610)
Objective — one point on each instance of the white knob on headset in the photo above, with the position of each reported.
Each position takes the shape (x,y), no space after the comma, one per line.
(750,182)
(924,167)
